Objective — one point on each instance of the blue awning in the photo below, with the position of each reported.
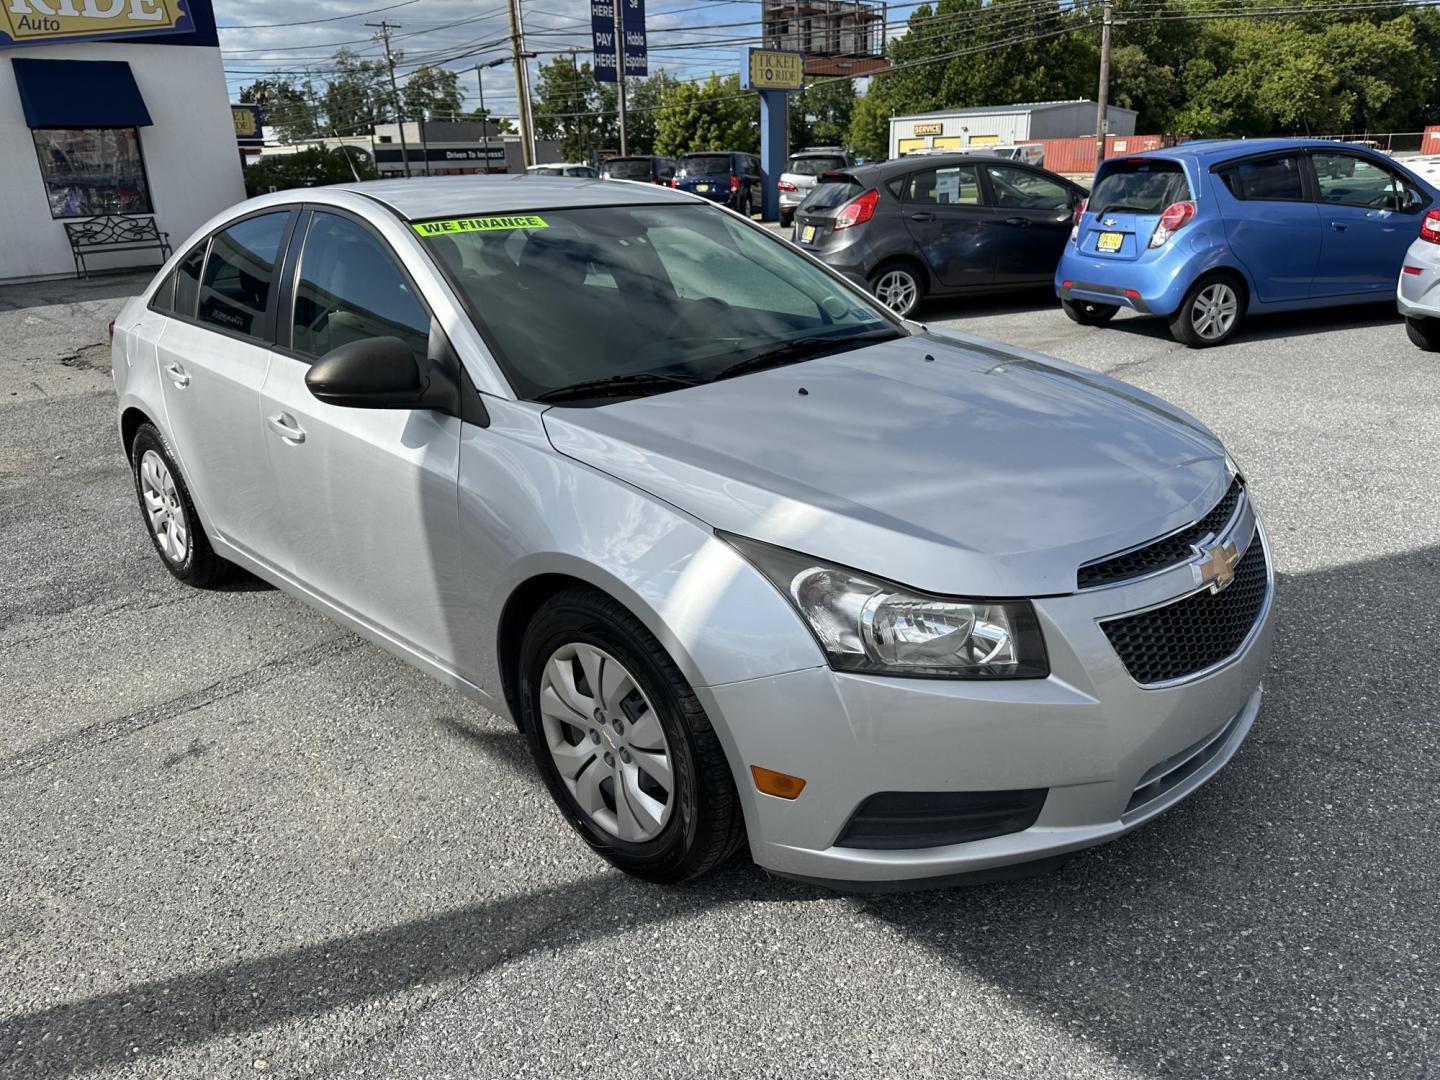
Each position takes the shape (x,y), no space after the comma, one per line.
(79,94)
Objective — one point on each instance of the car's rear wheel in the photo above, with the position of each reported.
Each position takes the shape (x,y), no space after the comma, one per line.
(169,513)
(1210,313)
(1089,313)
(787,218)
(1423,332)
(898,287)
(624,745)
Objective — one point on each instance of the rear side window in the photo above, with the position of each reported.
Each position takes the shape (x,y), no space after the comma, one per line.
(349,289)
(958,185)
(1268,178)
(832,193)
(1139,186)
(238,275)
(187,281)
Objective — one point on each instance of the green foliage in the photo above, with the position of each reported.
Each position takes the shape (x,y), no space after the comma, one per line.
(304,168)
(713,115)
(820,114)
(288,106)
(432,92)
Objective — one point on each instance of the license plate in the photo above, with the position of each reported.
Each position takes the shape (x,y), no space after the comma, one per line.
(1109,241)
(807,234)
(702,187)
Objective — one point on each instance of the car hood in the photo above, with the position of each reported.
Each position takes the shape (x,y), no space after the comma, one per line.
(949,464)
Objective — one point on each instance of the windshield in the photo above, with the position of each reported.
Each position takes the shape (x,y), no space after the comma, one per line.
(832,194)
(680,293)
(628,169)
(814,166)
(704,164)
(1139,186)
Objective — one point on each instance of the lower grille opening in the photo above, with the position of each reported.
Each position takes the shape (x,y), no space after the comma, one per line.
(895,820)
(1165,775)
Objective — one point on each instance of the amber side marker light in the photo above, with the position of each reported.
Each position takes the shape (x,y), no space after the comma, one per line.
(781,785)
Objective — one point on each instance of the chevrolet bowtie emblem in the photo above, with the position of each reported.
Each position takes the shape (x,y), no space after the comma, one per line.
(1217,568)
(1109,221)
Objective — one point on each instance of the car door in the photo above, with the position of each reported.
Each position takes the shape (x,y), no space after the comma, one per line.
(366,497)
(214,354)
(1272,224)
(1364,228)
(1034,214)
(952,229)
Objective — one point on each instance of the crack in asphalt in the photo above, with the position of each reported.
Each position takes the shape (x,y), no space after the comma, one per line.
(96,735)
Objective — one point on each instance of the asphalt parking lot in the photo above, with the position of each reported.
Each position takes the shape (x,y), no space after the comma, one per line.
(237,841)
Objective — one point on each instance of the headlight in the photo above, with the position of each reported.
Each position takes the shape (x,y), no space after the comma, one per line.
(870,625)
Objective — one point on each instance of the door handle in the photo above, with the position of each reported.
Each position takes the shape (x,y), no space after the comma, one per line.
(285,426)
(1339,226)
(922,217)
(1024,223)
(177,375)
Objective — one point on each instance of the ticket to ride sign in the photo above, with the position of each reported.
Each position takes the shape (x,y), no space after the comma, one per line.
(38,22)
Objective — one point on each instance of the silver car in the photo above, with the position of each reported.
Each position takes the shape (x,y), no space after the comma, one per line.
(747,559)
(802,171)
(1417,294)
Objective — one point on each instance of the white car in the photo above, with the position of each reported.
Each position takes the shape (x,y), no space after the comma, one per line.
(564,168)
(802,170)
(1418,293)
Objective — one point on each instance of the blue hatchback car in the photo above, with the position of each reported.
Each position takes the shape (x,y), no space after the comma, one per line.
(1208,232)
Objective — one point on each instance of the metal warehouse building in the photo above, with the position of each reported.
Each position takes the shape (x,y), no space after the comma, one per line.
(990,125)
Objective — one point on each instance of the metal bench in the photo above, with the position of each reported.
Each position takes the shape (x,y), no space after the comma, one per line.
(114,232)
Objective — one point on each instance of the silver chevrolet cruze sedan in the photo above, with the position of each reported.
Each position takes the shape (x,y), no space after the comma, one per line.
(745,557)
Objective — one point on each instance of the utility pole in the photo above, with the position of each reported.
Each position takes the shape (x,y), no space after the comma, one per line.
(1102,99)
(522,82)
(382,33)
(620,71)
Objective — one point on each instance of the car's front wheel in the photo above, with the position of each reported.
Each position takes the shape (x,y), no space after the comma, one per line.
(1210,312)
(1088,313)
(169,513)
(898,287)
(625,747)
(1423,332)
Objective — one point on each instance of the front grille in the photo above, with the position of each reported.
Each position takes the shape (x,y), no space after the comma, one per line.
(896,820)
(1165,775)
(1166,552)
(1195,633)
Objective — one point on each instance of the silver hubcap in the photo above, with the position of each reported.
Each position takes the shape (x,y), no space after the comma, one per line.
(163,508)
(607,742)
(1214,311)
(896,290)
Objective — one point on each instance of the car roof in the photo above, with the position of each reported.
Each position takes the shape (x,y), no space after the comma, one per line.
(438,196)
(911,162)
(1211,150)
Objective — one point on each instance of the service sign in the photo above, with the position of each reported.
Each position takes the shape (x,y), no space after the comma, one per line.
(40,22)
(930,128)
(771,69)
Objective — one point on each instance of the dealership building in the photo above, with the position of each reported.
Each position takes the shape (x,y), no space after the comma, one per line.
(1003,125)
(109,107)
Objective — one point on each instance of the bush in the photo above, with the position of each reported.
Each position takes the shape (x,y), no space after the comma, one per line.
(305,168)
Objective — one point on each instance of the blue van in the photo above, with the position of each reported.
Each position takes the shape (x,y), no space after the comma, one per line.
(1208,232)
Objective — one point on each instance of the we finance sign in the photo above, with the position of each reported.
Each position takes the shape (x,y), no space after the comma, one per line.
(36,22)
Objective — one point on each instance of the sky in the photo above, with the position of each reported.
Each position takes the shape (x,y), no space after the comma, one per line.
(689,38)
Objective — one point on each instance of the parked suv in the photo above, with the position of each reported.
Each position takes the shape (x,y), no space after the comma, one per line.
(1205,233)
(921,226)
(801,172)
(725,176)
(642,167)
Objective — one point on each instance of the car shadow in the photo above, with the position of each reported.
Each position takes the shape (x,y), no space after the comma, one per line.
(107,285)
(1270,327)
(1005,303)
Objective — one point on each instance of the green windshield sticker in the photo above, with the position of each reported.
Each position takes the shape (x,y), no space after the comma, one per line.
(480,224)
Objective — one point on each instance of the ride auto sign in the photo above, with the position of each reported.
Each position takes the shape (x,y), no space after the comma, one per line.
(40,22)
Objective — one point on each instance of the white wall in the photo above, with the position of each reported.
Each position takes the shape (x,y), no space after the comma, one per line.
(191,160)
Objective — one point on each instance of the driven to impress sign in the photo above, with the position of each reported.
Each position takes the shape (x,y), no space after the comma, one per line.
(36,22)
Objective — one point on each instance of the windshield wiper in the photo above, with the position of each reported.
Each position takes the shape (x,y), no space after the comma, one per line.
(805,348)
(636,384)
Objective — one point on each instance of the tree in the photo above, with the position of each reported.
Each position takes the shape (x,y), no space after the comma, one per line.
(820,114)
(713,115)
(432,92)
(304,168)
(289,107)
(642,116)
(358,95)
(570,107)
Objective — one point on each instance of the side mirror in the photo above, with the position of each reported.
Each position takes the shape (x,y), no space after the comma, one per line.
(373,373)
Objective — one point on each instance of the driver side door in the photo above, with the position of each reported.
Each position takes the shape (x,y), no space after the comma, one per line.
(366,497)
(1365,225)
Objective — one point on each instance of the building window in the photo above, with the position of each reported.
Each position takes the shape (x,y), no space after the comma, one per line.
(93,171)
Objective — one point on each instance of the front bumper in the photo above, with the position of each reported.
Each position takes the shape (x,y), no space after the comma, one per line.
(1418,295)
(1089,734)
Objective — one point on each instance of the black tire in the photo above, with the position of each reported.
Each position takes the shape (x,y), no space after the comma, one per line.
(1183,324)
(199,566)
(787,220)
(1089,313)
(883,276)
(745,207)
(1423,332)
(706,825)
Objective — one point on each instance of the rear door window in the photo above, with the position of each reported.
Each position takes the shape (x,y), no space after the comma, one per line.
(1139,186)
(235,291)
(1272,178)
(956,185)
